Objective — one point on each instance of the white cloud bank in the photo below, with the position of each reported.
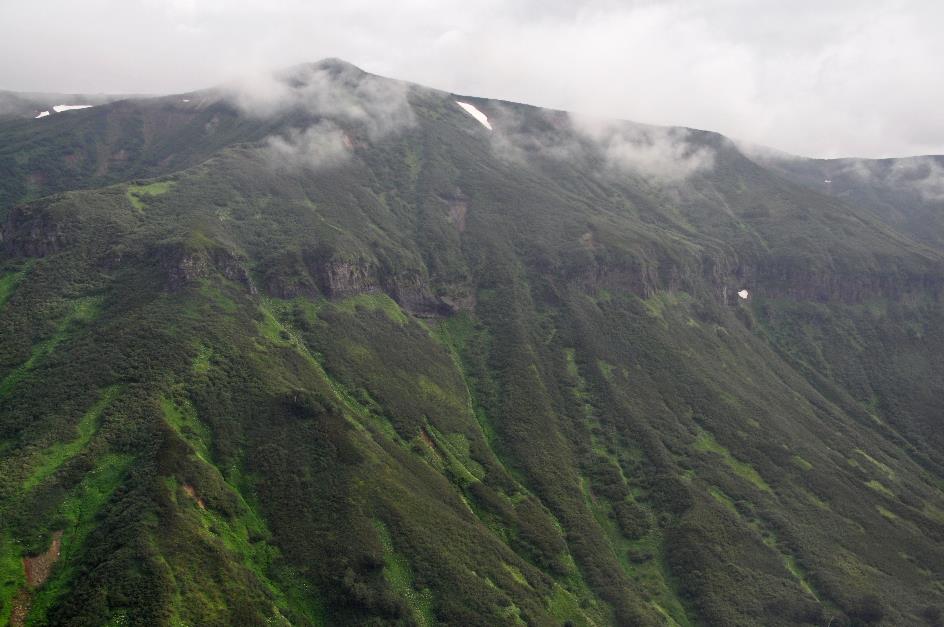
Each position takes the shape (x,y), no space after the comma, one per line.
(339,92)
(658,153)
(321,145)
(924,175)
(661,155)
(843,78)
(336,98)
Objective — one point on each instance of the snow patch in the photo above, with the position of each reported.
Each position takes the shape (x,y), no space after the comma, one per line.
(475,113)
(41,115)
(744,294)
(186,100)
(61,108)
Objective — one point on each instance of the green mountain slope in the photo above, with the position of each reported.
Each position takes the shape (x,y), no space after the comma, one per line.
(906,193)
(350,357)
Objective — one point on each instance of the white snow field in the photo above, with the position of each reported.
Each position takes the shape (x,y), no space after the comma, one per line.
(475,113)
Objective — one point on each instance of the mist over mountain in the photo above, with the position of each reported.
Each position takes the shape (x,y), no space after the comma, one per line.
(319,347)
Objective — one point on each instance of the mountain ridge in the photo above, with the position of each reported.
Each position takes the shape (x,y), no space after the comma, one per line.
(331,351)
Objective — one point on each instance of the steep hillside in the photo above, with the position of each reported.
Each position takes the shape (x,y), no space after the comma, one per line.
(906,193)
(325,349)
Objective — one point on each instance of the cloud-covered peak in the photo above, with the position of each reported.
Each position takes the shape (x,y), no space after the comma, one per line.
(326,105)
(328,89)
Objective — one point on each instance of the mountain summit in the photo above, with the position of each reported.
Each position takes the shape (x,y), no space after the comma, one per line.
(325,348)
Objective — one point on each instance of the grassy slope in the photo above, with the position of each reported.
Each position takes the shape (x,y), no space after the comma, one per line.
(597,440)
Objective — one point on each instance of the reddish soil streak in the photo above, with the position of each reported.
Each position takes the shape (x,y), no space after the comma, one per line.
(425,437)
(193,494)
(37,568)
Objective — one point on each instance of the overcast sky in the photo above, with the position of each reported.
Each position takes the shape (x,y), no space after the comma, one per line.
(818,78)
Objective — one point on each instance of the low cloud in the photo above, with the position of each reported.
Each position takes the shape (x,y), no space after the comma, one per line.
(658,154)
(662,154)
(338,105)
(823,79)
(333,90)
(761,153)
(534,133)
(319,146)
(924,175)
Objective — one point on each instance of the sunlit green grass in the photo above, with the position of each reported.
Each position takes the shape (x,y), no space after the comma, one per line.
(137,193)
(58,454)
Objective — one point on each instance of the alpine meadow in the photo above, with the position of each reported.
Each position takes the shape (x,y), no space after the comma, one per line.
(325,348)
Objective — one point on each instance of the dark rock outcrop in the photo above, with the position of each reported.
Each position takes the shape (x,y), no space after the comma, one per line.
(771,277)
(32,233)
(183,265)
(338,278)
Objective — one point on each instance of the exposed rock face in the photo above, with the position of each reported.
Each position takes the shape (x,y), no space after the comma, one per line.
(232,268)
(29,233)
(337,278)
(345,278)
(412,292)
(784,280)
(726,277)
(458,206)
(827,286)
(636,276)
(457,211)
(459,298)
(183,266)
(288,287)
(287,276)
(638,280)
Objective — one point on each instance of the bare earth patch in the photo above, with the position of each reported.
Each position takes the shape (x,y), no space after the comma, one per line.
(21,605)
(193,494)
(37,568)
(457,211)
(424,435)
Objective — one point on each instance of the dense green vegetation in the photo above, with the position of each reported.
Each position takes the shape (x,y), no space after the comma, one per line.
(453,378)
